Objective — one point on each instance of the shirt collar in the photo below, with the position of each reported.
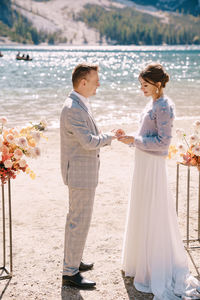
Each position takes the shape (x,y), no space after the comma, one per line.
(82,98)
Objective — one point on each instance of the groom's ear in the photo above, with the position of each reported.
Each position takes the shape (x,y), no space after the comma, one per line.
(83,82)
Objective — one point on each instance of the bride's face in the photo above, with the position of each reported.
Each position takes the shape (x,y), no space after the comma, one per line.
(148,89)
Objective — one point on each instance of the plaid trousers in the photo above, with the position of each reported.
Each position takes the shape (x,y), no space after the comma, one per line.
(77,226)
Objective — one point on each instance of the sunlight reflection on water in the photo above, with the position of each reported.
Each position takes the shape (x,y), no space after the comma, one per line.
(29,90)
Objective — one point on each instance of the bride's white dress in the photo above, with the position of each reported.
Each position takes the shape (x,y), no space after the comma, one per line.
(153,252)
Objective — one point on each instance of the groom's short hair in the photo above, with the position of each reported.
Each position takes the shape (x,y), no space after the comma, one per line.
(81,71)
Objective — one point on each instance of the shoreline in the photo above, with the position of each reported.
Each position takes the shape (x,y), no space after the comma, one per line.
(106,47)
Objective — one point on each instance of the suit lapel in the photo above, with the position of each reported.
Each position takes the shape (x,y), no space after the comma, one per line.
(76,98)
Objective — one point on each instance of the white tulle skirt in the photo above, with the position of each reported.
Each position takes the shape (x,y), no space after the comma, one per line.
(153,251)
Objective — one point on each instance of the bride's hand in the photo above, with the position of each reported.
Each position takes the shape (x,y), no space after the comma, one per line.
(127,139)
(119,132)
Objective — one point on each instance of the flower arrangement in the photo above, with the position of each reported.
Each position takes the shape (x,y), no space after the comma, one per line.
(188,148)
(15,145)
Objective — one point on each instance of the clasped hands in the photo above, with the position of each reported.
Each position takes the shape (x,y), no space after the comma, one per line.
(121,136)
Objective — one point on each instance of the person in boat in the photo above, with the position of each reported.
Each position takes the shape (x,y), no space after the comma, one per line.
(18,56)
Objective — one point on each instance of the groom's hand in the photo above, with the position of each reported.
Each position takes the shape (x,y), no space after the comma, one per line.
(127,139)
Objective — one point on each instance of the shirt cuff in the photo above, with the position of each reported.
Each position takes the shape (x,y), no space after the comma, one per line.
(109,138)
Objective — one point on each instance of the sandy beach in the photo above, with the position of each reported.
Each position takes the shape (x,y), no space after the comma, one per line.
(39,210)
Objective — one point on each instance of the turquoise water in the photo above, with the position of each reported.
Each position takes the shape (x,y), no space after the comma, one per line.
(31,90)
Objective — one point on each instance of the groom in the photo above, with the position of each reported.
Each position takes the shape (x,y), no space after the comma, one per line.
(80,144)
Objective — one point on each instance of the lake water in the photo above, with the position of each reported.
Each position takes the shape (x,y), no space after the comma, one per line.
(31,90)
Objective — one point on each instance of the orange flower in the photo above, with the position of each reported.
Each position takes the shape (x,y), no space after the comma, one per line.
(6,132)
(172,151)
(31,142)
(5,150)
(193,162)
(12,147)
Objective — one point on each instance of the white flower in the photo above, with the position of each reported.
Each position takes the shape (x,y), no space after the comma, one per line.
(196,150)
(18,153)
(8,163)
(193,139)
(180,133)
(35,152)
(36,136)
(22,142)
(3,120)
(0,156)
(22,163)
(10,138)
(181,148)
(197,126)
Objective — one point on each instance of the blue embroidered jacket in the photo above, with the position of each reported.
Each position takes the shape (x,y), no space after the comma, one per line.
(154,135)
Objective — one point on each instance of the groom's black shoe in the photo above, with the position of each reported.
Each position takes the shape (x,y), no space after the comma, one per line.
(85,267)
(78,281)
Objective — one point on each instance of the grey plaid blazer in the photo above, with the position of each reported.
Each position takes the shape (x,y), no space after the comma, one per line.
(80,144)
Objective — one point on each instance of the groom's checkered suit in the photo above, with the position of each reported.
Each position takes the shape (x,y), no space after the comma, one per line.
(80,144)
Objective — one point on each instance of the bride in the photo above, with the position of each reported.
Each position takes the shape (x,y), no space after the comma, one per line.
(153,251)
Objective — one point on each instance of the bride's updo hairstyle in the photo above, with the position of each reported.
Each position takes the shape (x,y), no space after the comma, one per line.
(154,73)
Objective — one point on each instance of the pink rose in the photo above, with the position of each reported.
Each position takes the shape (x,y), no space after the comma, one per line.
(35,152)
(22,163)
(10,138)
(18,153)
(3,120)
(8,164)
(22,142)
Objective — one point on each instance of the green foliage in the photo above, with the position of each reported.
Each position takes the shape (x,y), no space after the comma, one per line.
(22,31)
(6,15)
(186,6)
(128,26)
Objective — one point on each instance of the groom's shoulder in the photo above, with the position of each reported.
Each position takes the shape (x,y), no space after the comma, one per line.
(70,103)
(70,107)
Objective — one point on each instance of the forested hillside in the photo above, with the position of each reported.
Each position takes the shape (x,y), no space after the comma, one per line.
(19,29)
(182,6)
(122,26)
(128,26)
